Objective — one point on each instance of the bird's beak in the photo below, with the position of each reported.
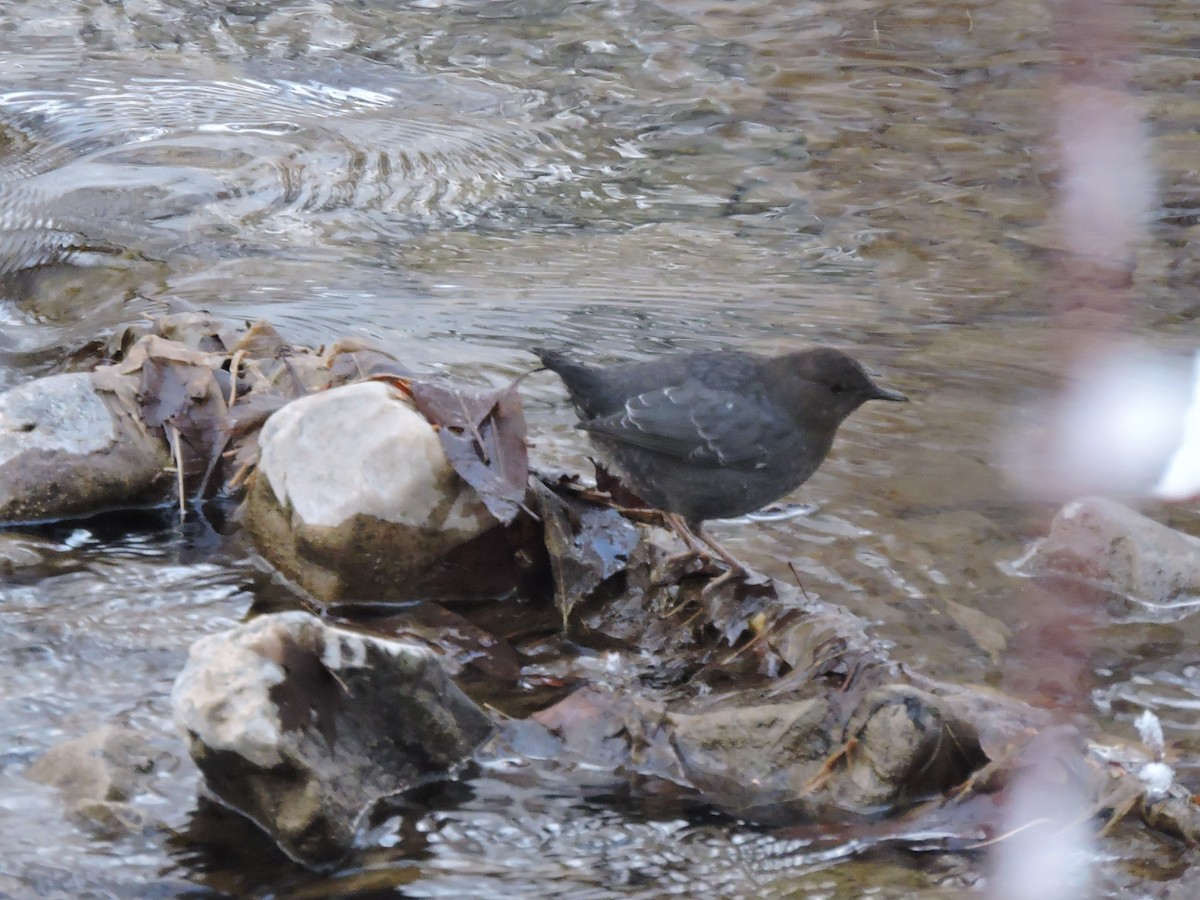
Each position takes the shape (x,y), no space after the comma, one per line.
(885,394)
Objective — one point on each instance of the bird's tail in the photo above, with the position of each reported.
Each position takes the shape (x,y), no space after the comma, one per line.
(579,380)
(569,370)
(552,359)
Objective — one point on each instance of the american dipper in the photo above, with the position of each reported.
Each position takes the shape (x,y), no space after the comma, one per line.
(715,434)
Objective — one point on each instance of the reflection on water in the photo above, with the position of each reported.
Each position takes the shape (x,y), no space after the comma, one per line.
(461,180)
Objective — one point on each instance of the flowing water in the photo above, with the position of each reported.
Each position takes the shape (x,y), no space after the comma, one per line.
(458,181)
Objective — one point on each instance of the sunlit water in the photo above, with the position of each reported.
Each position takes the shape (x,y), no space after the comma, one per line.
(459,181)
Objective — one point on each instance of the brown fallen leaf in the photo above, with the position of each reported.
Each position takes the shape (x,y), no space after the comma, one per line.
(310,694)
(182,394)
(187,398)
(587,544)
(483,436)
(455,637)
(238,431)
(350,359)
(261,341)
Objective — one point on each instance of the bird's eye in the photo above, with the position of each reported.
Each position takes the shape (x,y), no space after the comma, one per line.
(838,388)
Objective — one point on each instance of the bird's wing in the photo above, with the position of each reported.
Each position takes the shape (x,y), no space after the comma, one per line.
(704,426)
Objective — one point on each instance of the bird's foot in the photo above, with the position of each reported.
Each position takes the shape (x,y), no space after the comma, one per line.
(732,574)
(671,568)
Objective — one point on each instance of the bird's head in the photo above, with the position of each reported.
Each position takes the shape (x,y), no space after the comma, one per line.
(826,384)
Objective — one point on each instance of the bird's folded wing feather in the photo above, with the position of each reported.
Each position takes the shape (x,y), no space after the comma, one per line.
(689,421)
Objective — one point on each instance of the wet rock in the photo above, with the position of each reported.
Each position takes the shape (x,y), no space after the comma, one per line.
(759,754)
(848,752)
(99,773)
(899,743)
(354,496)
(1175,815)
(1101,540)
(904,744)
(302,727)
(68,448)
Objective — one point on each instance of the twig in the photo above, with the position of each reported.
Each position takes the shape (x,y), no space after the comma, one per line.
(177,455)
(235,363)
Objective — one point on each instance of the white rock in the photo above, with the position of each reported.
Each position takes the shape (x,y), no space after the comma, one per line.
(354,496)
(302,726)
(221,698)
(60,413)
(362,450)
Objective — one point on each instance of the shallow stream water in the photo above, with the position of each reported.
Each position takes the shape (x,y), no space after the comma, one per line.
(458,181)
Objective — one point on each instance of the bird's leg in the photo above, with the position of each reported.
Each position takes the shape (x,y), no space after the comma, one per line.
(695,550)
(727,575)
(697,539)
(735,565)
(690,539)
(699,543)
(735,570)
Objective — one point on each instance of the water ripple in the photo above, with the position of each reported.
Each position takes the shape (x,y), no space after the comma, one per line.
(142,162)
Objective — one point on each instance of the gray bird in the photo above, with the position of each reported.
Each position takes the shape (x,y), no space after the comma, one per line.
(715,434)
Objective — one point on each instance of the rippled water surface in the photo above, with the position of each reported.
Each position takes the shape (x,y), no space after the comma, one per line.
(460,180)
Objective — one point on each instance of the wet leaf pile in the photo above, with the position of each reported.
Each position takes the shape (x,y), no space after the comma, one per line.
(207,388)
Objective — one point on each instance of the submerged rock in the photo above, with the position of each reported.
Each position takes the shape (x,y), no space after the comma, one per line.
(19,552)
(1101,540)
(98,774)
(70,448)
(302,727)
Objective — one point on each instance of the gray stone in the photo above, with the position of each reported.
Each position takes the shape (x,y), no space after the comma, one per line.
(302,727)
(68,448)
(1100,540)
(898,742)
(354,497)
